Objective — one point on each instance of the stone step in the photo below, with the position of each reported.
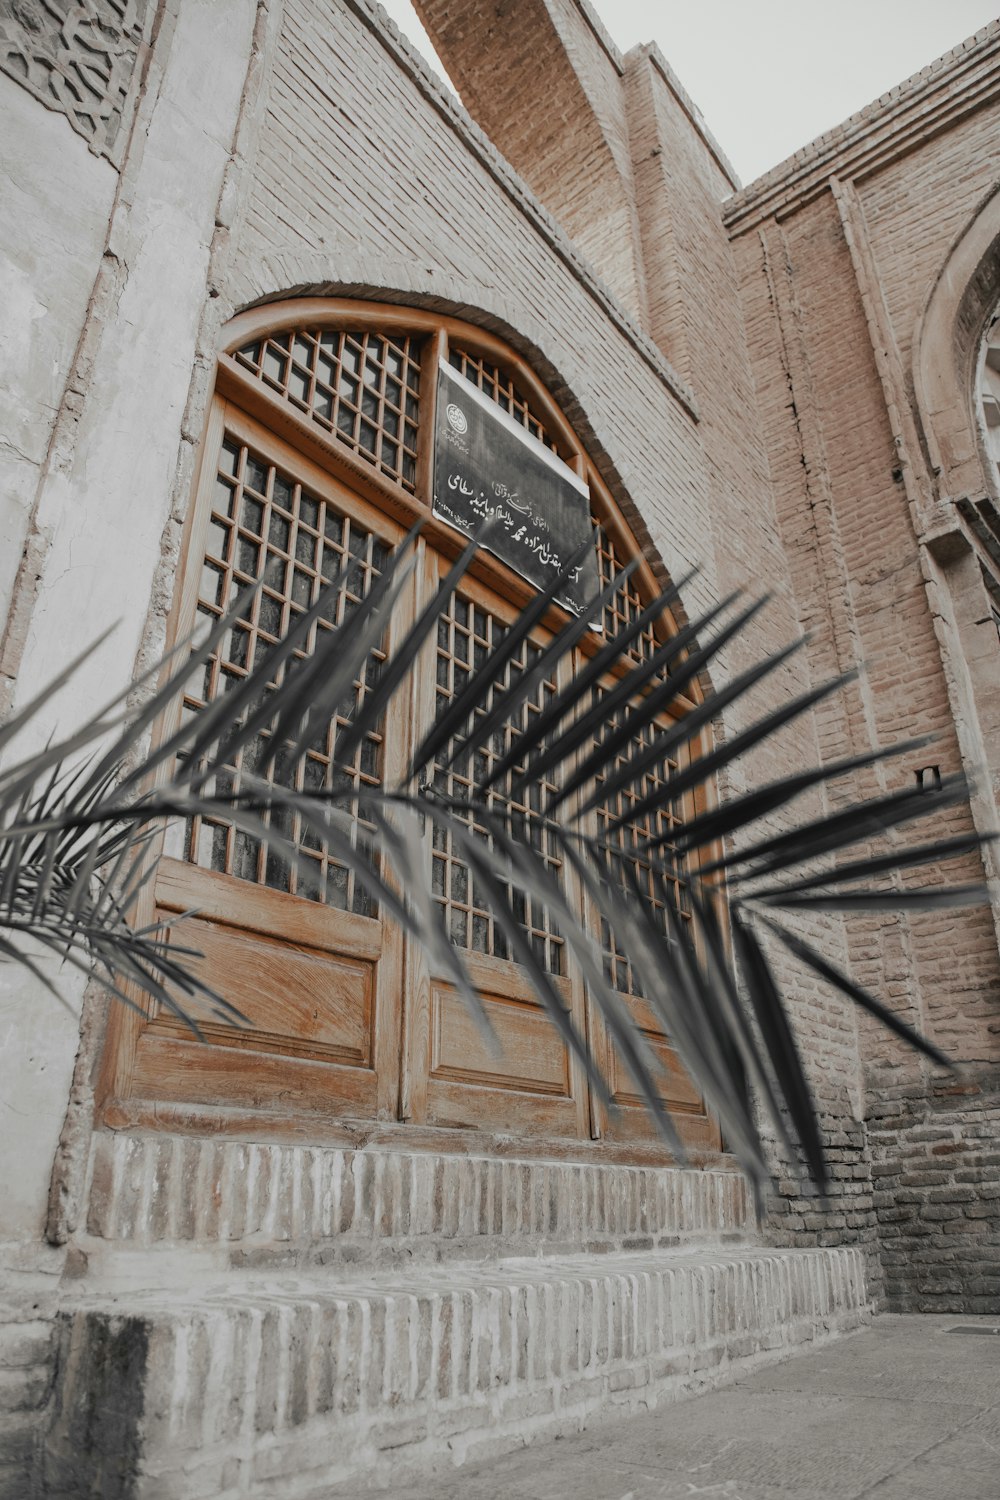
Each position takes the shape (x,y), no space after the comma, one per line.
(261,1204)
(27,1369)
(291,1386)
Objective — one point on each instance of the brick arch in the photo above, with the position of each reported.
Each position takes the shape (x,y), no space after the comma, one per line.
(353,272)
(946,346)
(289,494)
(946,351)
(564,371)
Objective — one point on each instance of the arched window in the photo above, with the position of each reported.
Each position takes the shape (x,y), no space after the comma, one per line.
(318,451)
(983,524)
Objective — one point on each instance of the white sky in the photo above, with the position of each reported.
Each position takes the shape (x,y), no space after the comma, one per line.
(770,75)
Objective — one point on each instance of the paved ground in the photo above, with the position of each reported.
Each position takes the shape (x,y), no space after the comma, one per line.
(904,1410)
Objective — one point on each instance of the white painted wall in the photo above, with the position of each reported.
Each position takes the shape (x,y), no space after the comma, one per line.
(107,497)
(55,202)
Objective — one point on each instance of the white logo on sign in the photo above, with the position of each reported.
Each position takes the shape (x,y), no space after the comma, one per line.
(456,417)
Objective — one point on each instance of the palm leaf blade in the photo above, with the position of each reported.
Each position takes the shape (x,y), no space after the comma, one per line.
(782,1050)
(859,995)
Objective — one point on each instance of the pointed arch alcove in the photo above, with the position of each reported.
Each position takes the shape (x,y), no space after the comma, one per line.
(946,348)
(318,452)
(962,537)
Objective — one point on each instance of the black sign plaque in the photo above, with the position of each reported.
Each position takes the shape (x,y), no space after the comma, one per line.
(488,467)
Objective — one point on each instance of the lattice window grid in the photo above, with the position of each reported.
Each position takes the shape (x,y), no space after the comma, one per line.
(465,636)
(362,388)
(264,521)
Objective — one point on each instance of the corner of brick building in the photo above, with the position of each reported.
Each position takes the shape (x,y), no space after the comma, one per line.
(790,309)
(841,253)
(543,80)
(695,308)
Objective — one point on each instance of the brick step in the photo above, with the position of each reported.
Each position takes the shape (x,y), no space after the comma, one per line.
(294,1386)
(27,1372)
(262,1204)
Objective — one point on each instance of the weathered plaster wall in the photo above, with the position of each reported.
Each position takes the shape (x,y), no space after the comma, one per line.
(55,203)
(98,527)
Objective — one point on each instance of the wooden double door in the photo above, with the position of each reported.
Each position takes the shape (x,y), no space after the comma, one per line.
(348,1018)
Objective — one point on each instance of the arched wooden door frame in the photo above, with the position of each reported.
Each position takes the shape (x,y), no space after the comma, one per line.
(421,1092)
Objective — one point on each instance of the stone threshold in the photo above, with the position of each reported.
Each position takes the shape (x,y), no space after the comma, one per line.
(261,1200)
(284,1386)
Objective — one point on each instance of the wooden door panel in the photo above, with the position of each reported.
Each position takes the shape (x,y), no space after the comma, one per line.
(185,1071)
(630,1119)
(698,1131)
(298,1001)
(347,1018)
(663,891)
(315,1036)
(318,980)
(528,1057)
(676,1087)
(498,1110)
(525,1083)
(181,887)
(528,1084)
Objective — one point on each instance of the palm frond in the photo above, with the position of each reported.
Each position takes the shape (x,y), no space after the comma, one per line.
(457,713)
(76,839)
(738,812)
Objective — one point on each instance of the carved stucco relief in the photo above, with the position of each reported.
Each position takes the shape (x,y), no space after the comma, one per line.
(78,57)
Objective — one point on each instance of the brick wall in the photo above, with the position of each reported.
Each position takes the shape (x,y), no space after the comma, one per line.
(262,1203)
(545,86)
(691,270)
(849,480)
(936,1170)
(725,382)
(409,193)
(367,178)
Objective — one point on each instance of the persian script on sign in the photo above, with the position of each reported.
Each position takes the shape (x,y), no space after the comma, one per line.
(487,467)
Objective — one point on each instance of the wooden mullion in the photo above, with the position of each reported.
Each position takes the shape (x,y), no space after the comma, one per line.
(598,1040)
(433,354)
(393,965)
(579,1007)
(124,1024)
(416,978)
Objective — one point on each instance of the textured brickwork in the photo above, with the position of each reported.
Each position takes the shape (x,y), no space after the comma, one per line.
(230,1391)
(797,1216)
(936,1177)
(299,1202)
(573,152)
(27,1373)
(832,325)
(690,263)
(910,244)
